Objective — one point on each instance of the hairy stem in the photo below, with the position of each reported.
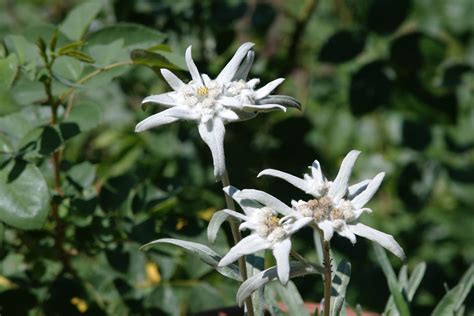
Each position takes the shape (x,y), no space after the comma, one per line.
(237,237)
(327,276)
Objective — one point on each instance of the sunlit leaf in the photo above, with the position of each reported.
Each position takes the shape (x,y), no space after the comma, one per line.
(24,196)
(8,71)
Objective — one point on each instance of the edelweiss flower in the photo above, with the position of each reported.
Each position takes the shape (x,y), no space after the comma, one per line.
(337,206)
(213,103)
(269,231)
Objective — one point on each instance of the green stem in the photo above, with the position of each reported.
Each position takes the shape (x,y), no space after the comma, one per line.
(327,275)
(237,237)
(92,75)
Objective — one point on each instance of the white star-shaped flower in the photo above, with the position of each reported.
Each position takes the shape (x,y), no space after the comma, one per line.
(337,206)
(214,102)
(269,230)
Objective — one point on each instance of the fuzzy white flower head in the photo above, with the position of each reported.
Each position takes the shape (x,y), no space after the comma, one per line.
(269,230)
(214,102)
(336,207)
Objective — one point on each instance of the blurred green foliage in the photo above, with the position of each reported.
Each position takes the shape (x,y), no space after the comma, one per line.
(393,78)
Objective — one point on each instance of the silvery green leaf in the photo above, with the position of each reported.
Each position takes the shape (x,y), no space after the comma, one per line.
(206,254)
(284,100)
(291,298)
(318,246)
(215,223)
(397,292)
(358,310)
(448,303)
(415,279)
(256,264)
(409,284)
(261,279)
(339,285)
(467,280)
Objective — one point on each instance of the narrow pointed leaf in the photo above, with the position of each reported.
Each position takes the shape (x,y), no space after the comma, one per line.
(397,292)
(206,254)
(448,303)
(215,223)
(339,286)
(467,280)
(261,279)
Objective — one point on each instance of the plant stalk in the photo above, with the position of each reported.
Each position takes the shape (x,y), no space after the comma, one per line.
(327,275)
(237,237)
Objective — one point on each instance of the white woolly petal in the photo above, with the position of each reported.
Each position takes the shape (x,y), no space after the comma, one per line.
(247,205)
(357,188)
(212,132)
(328,230)
(174,82)
(236,214)
(244,68)
(229,71)
(339,186)
(281,252)
(165,117)
(166,99)
(360,200)
(192,67)
(385,240)
(267,200)
(228,115)
(267,89)
(291,179)
(206,79)
(317,173)
(298,224)
(344,231)
(263,107)
(231,102)
(250,244)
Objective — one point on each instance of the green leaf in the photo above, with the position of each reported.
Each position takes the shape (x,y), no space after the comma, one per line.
(215,223)
(50,141)
(263,278)
(448,303)
(68,68)
(397,292)
(415,280)
(87,115)
(80,56)
(78,20)
(24,50)
(135,36)
(108,53)
(291,298)
(151,59)
(70,46)
(206,254)
(24,196)
(339,286)
(467,281)
(8,71)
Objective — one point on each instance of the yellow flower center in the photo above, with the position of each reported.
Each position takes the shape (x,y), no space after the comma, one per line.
(203,91)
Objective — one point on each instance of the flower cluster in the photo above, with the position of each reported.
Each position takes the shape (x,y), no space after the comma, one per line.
(334,207)
(212,103)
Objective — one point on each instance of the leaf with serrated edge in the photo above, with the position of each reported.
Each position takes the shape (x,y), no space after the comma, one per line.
(206,254)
